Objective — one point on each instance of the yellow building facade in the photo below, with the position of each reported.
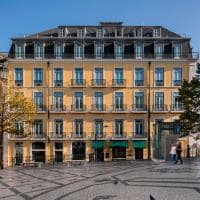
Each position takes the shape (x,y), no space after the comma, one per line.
(95,108)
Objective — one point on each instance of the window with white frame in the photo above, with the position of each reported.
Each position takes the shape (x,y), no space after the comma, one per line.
(18,76)
(58,51)
(39,51)
(79,51)
(38,76)
(19,51)
(177,51)
(138,51)
(159,50)
(119,50)
(58,77)
(139,126)
(177,76)
(159,76)
(99,50)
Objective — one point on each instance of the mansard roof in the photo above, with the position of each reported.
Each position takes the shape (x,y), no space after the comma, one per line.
(109,27)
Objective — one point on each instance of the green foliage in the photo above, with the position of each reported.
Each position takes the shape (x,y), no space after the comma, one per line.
(190,97)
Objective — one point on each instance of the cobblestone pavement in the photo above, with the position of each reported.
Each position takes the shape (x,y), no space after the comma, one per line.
(134,180)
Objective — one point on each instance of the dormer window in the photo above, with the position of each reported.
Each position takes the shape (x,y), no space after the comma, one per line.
(99,33)
(61,32)
(138,32)
(80,33)
(157,32)
(39,51)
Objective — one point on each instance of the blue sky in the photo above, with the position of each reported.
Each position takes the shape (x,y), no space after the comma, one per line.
(19,17)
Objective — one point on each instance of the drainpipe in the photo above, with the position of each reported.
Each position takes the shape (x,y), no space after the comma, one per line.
(149,115)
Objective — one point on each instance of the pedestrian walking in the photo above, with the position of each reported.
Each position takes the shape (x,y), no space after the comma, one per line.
(173,152)
(178,153)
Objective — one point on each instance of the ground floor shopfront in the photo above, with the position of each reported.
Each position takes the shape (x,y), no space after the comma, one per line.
(61,151)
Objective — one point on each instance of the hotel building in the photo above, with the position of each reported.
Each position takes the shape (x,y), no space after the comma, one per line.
(99,90)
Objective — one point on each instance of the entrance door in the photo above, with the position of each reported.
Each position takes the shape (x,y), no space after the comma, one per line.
(58,156)
(100,154)
(78,150)
(119,152)
(138,154)
(18,153)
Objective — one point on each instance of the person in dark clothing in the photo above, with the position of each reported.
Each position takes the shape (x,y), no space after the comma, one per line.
(178,153)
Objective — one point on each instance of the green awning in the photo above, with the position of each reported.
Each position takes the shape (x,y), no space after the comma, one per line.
(139,144)
(119,143)
(98,144)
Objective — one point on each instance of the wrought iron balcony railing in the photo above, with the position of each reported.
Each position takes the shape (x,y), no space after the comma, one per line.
(139,82)
(98,135)
(19,82)
(78,82)
(119,135)
(160,107)
(139,107)
(58,108)
(58,83)
(140,135)
(98,82)
(119,108)
(38,82)
(98,108)
(159,82)
(57,135)
(183,55)
(78,134)
(78,108)
(177,107)
(118,82)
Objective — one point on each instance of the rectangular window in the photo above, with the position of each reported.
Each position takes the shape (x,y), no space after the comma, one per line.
(78,101)
(157,32)
(58,101)
(139,100)
(38,128)
(119,51)
(139,77)
(58,51)
(39,51)
(119,101)
(119,129)
(159,76)
(177,106)
(19,51)
(99,33)
(139,126)
(58,127)
(119,76)
(139,51)
(79,76)
(18,76)
(99,51)
(19,128)
(159,50)
(98,128)
(177,51)
(177,76)
(58,77)
(159,101)
(38,76)
(79,127)
(98,76)
(38,98)
(99,101)
(79,51)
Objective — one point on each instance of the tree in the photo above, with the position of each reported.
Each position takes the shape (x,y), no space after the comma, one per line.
(190,98)
(14,107)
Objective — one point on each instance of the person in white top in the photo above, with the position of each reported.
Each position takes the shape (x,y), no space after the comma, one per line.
(173,152)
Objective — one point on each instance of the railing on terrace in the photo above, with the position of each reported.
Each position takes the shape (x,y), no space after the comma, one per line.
(190,55)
